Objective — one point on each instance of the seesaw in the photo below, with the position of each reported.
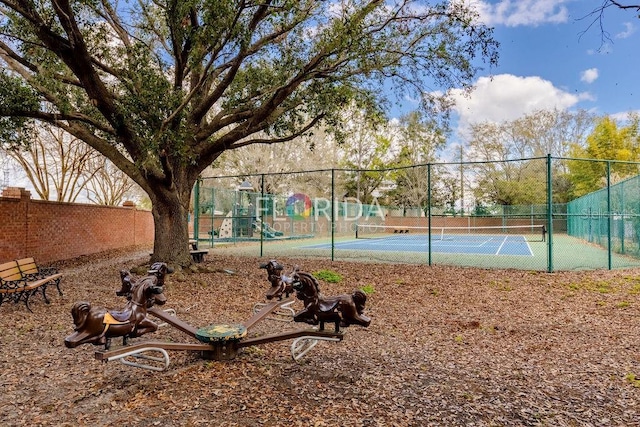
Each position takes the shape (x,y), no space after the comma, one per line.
(214,342)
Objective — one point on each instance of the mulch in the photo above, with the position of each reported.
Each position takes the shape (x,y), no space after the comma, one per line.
(447,346)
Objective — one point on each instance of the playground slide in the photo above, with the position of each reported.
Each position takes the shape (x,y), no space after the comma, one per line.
(267,231)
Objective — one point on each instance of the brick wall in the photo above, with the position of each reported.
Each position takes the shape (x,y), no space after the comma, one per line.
(52,231)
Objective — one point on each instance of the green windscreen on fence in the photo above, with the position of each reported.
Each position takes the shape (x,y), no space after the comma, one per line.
(609,217)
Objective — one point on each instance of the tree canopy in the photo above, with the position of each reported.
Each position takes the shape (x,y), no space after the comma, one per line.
(162,88)
(614,145)
(503,180)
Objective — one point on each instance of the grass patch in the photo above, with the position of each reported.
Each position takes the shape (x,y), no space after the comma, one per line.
(604,288)
(328,276)
(502,286)
(599,287)
(368,289)
(633,380)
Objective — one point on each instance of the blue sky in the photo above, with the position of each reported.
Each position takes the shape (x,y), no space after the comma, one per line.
(552,56)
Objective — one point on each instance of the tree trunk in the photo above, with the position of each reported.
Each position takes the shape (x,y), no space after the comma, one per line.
(170,214)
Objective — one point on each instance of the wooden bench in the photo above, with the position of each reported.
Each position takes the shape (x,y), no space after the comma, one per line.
(21,279)
(198,254)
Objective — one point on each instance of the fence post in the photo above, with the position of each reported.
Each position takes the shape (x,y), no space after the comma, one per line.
(429,211)
(213,216)
(333,214)
(196,210)
(609,216)
(549,217)
(261,207)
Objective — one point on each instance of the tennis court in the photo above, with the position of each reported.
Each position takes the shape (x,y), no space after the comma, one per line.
(461,240)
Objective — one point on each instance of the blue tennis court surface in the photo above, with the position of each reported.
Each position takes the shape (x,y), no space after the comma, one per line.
(485,245)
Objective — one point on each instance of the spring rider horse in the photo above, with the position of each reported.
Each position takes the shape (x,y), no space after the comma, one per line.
(97,325)
(342,310)
(280,284)
(280,290)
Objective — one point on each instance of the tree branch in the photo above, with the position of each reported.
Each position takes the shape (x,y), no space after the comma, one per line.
(287,138)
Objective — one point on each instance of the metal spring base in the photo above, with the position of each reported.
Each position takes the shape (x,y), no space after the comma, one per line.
(138,354)
(284,313)
(301,346)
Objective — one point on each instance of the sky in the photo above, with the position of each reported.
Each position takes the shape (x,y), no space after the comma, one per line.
(553,55)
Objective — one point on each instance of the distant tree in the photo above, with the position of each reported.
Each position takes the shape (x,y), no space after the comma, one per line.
(108,185)
(607,142)
(318,150)
(5,167)
(162,89)
(501,179)
(366,151)
(56,163)
(369,171)
(418,141)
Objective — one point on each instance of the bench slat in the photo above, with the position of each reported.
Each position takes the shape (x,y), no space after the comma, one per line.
(10,272)
(28,266)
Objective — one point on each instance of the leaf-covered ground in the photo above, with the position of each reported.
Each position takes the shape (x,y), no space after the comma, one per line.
(447,346)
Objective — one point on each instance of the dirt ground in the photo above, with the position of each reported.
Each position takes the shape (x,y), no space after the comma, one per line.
(447,346)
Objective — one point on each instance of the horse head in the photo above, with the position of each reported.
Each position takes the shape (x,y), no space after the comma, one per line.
(280,284)
(147,292)
(160,270)
(127,284)
(157,272)
(306,286)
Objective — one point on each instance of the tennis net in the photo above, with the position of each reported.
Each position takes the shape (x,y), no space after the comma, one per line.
(528,233)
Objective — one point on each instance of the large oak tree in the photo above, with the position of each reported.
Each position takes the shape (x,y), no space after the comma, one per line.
(163,87)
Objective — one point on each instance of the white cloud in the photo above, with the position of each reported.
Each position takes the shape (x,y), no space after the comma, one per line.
(513,13)
(411,100)
(507,97)
(589,76)
(629,29)
(623,116)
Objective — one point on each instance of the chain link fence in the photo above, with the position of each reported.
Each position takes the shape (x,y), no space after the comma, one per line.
(509,214)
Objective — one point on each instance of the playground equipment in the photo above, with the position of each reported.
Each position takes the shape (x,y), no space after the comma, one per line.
(235,226)
(218,341)
(97,325)
(342,310)
(280,285)
(267,231)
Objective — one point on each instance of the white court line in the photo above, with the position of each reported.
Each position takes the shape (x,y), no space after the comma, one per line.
(501,245)
(529,247)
